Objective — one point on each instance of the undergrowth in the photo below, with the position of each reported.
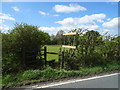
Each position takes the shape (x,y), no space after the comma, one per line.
(32,76)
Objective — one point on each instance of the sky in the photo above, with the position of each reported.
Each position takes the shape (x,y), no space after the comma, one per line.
(51,17)
(60,0)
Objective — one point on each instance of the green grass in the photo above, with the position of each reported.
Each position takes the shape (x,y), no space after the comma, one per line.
(52,48)
(32,76)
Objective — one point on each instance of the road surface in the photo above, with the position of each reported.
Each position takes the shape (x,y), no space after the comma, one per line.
(105,81)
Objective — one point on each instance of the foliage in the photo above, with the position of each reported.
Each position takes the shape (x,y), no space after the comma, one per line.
(53,48)
(21,47)
(93,50)
(57,39)
(9,64)
(95,53)
(71,62)
(32,76)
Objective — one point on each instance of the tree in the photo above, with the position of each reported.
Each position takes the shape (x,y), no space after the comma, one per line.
(25,42)
(9,59)
(111,48)
(91,41)
(58,38)
(53,40)
(86,53)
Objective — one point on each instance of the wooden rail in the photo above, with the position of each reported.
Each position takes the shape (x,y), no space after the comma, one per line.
(51,53)
(42,50)
(42,54)
(70,33)
(66,46)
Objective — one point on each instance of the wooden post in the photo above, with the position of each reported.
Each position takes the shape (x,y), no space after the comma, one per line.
(60,55)
(62,63)
(45,55)
(76,39)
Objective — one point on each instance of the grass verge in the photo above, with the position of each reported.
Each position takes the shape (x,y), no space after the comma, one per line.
(33,76)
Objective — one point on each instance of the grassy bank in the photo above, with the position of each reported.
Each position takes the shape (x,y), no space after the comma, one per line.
(32,76)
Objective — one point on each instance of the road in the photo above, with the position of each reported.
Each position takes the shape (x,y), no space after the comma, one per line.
(105,81)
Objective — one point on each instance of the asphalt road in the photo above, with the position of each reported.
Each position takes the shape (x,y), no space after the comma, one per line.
(106,81)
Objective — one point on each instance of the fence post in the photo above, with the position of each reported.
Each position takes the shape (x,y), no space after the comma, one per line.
(76,39)
(62,64)
(45,55)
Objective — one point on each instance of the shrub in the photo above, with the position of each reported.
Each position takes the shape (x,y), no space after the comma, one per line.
(9,64)
(21,46)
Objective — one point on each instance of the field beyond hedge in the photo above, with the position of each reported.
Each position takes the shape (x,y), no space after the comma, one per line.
(53,48)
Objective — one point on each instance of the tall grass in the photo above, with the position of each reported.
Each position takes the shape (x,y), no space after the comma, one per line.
(31,76)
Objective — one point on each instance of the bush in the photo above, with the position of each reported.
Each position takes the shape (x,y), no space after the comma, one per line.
(93,50)
(9,64)
(71,61)
(21,47)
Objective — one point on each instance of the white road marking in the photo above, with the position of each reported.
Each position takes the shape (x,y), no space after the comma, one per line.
(71,81)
